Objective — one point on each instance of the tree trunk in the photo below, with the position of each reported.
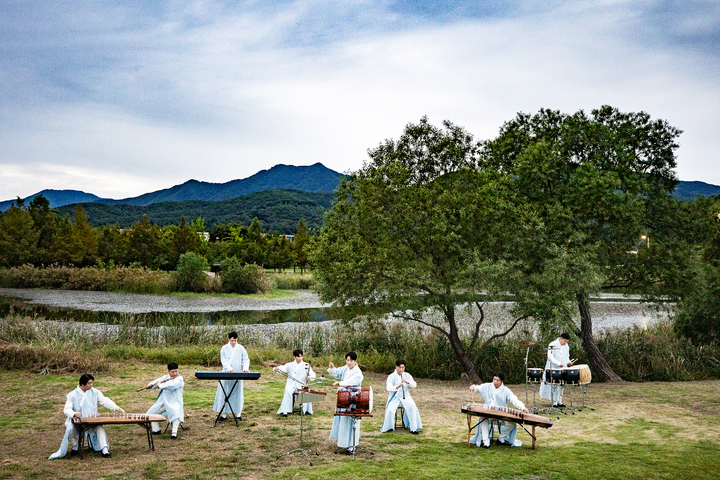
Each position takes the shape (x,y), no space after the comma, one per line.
(456,345)
(600,367)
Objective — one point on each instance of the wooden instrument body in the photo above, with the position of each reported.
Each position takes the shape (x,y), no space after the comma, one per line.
(506,414)
(578,375)
(119,418)
(355,401)
(227,375)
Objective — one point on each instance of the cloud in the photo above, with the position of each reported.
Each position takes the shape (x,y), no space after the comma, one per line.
(148,97)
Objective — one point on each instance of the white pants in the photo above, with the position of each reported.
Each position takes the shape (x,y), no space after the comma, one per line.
(99,431)
(159,407)
(504,429)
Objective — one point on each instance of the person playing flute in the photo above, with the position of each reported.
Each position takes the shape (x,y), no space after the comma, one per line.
(169,400)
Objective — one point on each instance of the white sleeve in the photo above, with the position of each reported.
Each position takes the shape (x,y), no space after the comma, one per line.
(412,383)
(389,385)
(68,410)
(174,384)
(245,359)
(156,381)
(552,358)
(355,378)
(516,401)
(311,375)
(106,402)
(333,372)
(225,358)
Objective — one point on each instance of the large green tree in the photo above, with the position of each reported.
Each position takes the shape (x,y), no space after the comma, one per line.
(594,181)
(18,236)
(422,228)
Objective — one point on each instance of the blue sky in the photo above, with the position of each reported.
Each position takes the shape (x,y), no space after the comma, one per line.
(122,98)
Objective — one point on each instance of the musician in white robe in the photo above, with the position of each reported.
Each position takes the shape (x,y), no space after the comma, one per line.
(558,357)
(234,358)
(342,427)
(298,373)
(83,402)
(399,384)
(169,400)
(496,394)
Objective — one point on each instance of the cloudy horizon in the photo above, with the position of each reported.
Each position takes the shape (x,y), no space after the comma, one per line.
(120,99)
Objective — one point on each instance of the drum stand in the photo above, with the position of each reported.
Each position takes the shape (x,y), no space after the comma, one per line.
(302,398)
(535,387)
(355,420)
(553,409)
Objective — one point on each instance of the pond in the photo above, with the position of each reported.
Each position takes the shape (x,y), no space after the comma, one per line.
(226,317)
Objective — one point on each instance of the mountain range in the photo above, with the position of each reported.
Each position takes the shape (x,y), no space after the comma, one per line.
(314,178)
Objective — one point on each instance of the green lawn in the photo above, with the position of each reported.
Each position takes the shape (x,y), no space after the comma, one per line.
(644,431)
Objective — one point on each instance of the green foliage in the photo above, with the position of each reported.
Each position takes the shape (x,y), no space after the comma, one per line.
(239,278)
(190,273)
(302,238)
(18,237)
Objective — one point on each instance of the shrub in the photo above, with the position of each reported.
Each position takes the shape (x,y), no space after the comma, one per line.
(190,273)
(237,278)
(285,281)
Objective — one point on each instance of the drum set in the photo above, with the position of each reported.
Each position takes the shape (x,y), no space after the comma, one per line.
(575,376)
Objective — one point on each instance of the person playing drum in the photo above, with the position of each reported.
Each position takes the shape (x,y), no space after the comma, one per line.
(558,357)
(496,394)
(399,384)
(349,377)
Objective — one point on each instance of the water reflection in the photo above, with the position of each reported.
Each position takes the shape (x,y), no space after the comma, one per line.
(243,317)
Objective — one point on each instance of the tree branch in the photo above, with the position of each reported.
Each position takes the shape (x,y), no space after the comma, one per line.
(476,335)
(498,336)
(420,321)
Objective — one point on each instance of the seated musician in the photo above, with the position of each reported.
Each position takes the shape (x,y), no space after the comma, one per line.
(234,358)
(83,402)
(496,394)
(398,384)
(342,428)
(298,374)
(169,400)
(558,356)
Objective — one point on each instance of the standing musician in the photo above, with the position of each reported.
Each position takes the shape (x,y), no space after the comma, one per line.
(83,402)
(298,374)
(399,383)
(496,394)
(234,358)
(169,400)
(342,427)
(558,356)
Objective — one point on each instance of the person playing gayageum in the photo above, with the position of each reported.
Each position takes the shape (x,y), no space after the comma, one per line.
(399,384)
(234,358)
(298,374)
(169,400)
(496,394)
(558,356)
(349,377)
(83,402)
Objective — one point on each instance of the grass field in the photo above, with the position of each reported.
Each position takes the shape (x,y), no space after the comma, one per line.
(637,430)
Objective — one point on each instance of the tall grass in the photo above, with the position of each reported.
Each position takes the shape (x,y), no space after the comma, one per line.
(636,354)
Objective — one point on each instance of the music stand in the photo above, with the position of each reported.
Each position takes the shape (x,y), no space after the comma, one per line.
(302,398)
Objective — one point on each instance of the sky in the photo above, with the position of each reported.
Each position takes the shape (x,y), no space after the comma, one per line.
(120,98)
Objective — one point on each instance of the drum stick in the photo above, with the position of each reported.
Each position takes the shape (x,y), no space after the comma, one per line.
(573,361)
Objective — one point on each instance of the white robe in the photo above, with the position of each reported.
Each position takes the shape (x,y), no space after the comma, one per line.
(342,427)
(401,397)
(237,359)
(86,403)
(497,397)
(169,400)
(302,372)
(559,355)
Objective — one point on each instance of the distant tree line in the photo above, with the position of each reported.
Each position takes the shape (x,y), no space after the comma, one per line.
(35,234)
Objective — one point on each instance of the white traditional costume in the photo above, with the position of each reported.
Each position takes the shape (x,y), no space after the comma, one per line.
(170,401)
(342,427)
(557,355)
(85,403)
(497,397)
(401,397)
(302,372)
(236,359)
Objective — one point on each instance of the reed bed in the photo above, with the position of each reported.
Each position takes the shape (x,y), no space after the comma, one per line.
(654,353)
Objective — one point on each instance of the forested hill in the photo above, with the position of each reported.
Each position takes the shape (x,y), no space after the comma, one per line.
(692,190)
(276,209)
(314,178)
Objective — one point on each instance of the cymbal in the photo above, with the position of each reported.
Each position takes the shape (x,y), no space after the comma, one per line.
(529,343)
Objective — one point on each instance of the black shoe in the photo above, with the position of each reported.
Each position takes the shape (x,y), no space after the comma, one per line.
(414,432)
(173,437)
(158,432)
(73,453)
(560,405)
(349,451)
(485,446)
(504,444)
(284,415)
(221,419)
(106,455)
(238,418)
